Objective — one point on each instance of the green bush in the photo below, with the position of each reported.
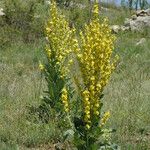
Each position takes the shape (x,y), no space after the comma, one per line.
(26,17)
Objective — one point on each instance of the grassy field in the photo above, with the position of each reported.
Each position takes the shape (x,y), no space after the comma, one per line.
(127,96)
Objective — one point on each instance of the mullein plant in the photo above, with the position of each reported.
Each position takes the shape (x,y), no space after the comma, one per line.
(91,54)
(59,59)
(94,48)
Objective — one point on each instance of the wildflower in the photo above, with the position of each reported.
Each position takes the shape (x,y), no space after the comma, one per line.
(86,105)
(70,62)
(104,119)
(88,126)
(96,63)
(96,9)
(41,66)
(61,43)
(64,99)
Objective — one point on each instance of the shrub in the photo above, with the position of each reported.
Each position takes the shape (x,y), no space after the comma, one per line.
(26,17)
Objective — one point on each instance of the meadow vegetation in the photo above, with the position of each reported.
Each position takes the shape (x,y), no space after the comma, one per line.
(22,83)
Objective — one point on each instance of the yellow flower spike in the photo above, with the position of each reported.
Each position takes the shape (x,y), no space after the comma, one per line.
(93,49)
(96,62)
(64,99)
(96,9)
(62,43)
(104,119)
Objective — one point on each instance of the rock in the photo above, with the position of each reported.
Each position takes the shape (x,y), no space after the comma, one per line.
(140,23)
(115,28)
(127,22)
(133,26)
(47,2)
(141,13)
(105,9)
(141,42)
(1,12)
(124,28)
(148,11)
(134,17)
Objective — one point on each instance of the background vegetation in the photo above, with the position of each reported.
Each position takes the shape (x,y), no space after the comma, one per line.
(21,84)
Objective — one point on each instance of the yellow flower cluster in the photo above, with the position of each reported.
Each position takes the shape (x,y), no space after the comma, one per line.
(104,119)
(41,66)
(96,9)
(64,99)
(96,62)
(60,38)
(93,50)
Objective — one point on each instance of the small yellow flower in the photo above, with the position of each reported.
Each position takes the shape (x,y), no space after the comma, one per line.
(66,109)
(70,62)
(97,105)
(48,29)
(87,126)
(41,66)
(97,113)
(60,58)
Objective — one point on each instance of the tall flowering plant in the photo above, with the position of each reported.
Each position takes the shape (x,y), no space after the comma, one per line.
(91,54)
(94,48)
(56,69)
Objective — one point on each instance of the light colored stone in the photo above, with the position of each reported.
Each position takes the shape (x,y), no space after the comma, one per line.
(148,11)
(140,13)
(134,17)
(105,9)
(127,22)
(140,23)
(47,2)
(1,12)
(141,42)
(143,12)
(124,28)
(137,22)
(115,28)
